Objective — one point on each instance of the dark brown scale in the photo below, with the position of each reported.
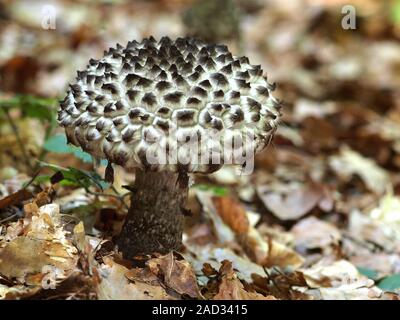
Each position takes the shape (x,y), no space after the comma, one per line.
(131,77)
(187,68)
(254,105)
(179,80)
(108,67)
(218,107)
(98,80)
(90,93)
(90,135)
(190,58)
(126,67)
(92,108)
(227,69)
(79,104)
(244,60)
(118,121)
(199,91)
(145,83)
(162,76)
(138,67)
(134,113)
(144,117)
(119,105)
(163,124)
(256,71)
(236,64)
(164,111)
(193,101)
(237,116)
(100,98)
(110,107)
(127,136)
(150,62)
(163,85)
(243,75)
(205,84)
(199,69)
(76,88)
(164,64)
(219,79)
(132,94)
(203,53)
(207,117)
(210,64)
(142,53)
(110,137)
(194,76)
(149,99)
(111,76)
(78,122)
(218,94)
(192,49)
(180,61)
(263,91)
(174,97)
(233,95)
(100,125)
(90,78)
(185,115)
(92,62)
(156,70)
(217,124)
(121,158)
(243,83)
(174,52)
(110,87)
(173,68)
(255,117)
(221,58)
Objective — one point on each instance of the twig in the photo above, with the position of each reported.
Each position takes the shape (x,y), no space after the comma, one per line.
(19,140)
(9,218)
(119,197)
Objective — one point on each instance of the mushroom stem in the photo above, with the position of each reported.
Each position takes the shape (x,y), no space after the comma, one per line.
(155,220)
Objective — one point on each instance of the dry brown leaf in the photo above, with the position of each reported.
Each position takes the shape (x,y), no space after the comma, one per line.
(114,285)
(232,213)
(293,201)
(311,233)
(231,288)
(177,274)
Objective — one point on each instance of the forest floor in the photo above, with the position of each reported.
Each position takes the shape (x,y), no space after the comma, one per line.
(318,219)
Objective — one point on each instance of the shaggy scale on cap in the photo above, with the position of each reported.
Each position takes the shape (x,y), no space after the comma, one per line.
(167,91)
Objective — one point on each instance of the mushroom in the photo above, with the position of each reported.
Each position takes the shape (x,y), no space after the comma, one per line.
(147,106)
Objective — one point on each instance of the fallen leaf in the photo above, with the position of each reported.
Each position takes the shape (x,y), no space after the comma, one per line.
(291,202)
(114,285)
(231,288)
(349,163)
(232,213)
(177,274)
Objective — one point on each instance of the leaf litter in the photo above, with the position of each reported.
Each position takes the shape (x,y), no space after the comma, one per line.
(318,219)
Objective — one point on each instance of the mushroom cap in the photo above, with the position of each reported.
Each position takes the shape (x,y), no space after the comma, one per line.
(169,95)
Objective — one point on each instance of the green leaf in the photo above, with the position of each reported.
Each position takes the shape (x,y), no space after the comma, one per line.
(76,177)
(58,144)
(390,283)
(218,191)
(370,273)
(395,11)
(34,107)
